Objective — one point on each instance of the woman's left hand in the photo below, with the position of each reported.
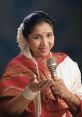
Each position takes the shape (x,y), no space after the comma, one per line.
(59,89)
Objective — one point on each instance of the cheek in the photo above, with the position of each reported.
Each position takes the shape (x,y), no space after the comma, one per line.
(33,45)
(51,42)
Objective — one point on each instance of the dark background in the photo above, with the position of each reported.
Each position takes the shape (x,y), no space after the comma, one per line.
(67,14)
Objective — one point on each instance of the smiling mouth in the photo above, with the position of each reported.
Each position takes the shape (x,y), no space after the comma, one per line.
(43,49)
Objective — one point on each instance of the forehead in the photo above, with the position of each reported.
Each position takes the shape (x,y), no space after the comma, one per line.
(42,27)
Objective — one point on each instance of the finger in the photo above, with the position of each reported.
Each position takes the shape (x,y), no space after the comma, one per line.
(48,84)
(42,77)
(56,85)
(56,93)
(58,79)
(34,79)
(55,88)
(41,83)
(44,84)
(57,82)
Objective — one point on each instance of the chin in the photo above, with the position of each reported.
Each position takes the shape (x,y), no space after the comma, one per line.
(44,54)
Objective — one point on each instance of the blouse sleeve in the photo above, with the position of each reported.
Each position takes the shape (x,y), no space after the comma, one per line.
(77,85)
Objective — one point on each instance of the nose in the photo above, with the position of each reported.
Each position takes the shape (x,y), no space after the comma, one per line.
(43,41)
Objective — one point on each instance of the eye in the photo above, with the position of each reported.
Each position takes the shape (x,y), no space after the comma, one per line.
(49,35)
(37,37)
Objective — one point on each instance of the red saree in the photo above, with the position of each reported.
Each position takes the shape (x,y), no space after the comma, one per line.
(18,74)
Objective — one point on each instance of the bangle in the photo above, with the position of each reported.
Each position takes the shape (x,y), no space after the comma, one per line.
(28,94)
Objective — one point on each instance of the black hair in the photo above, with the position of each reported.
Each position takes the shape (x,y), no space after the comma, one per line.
(33,19)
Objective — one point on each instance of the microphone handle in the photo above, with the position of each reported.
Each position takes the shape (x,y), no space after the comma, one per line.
(54,74)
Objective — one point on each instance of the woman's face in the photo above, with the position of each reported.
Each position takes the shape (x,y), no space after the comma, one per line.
(41,40)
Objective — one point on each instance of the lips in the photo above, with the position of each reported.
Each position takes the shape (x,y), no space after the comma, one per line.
(43,49)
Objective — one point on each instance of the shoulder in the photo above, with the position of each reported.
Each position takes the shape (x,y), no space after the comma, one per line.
(16,59)
(59,56)
(13,67)
(66,60)
(13,62)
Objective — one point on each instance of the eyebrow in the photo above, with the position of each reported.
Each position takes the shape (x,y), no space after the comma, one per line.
(36,34)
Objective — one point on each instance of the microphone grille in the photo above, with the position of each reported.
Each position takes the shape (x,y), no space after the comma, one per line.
(51,61)
(52,64)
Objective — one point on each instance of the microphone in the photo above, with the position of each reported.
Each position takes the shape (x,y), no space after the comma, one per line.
(52,64)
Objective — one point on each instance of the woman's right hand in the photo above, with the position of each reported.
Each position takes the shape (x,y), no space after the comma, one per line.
(36,85)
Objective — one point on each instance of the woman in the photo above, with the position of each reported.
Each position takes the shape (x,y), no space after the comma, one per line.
(27,86)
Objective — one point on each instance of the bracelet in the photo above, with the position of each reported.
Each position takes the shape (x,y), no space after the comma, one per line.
(28,94)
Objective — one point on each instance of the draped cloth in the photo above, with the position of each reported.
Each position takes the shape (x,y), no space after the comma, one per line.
(16,77)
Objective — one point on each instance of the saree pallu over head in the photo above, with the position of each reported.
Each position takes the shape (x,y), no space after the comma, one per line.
(20,71)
